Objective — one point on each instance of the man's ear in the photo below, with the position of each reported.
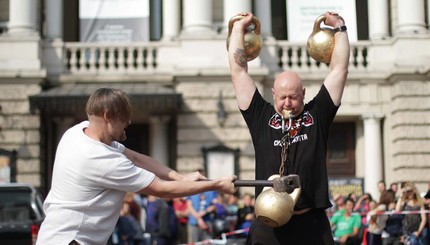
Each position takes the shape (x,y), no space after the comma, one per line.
(304,92)
(273,94)
(106,116)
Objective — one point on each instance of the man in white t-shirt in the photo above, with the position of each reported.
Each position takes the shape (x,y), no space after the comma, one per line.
(93,171)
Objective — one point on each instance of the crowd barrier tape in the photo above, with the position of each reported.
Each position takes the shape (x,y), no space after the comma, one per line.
(223,239)
(391,212)
(403,212)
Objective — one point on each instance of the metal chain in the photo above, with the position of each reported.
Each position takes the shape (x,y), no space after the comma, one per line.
(285,143)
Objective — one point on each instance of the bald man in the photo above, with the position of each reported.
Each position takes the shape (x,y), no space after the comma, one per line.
(290,137)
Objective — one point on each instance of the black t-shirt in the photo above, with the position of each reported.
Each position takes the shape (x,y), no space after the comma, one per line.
(307,150)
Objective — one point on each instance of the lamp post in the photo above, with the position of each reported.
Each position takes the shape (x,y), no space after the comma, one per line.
(221,113)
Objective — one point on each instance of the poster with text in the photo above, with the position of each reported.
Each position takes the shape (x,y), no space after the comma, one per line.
(220,164)
(114,20)
(301,16)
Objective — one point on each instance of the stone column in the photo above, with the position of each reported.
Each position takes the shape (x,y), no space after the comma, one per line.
(23,17)
(372,153)
(171,19)
(197,15)
(155,19)
(159,139)
(20,44)
(410,16)
(428,12)
(52,58)
(232,8)
(378,19)
(264,13)
(54,19)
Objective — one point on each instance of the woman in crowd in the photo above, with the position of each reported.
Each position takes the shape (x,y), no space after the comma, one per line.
(414,220)
(377,220)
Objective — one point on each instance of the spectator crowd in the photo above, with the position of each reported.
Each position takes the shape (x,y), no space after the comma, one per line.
(149,220)
(399,216)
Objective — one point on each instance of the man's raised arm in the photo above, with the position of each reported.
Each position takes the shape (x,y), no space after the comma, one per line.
(336,79)
(243,84)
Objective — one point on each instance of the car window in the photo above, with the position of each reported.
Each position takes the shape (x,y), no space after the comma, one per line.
(15,205)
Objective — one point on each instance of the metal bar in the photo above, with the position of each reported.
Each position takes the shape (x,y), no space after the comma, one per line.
(253,183)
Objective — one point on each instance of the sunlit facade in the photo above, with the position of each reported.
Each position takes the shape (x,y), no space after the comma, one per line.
(183,98)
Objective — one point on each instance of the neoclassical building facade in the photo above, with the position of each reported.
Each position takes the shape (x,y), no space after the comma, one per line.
(183,98)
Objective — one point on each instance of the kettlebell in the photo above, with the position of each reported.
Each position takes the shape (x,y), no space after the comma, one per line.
(275,208)
(320,43)
(252,37)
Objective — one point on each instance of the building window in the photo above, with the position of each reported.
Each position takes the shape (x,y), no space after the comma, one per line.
(341,150)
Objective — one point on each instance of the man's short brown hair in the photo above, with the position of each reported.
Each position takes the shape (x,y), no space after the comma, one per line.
(113,101)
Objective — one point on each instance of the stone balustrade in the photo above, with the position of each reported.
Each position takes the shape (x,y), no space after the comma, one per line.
(123,58)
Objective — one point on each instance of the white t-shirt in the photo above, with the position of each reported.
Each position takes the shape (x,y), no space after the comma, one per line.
(89,182)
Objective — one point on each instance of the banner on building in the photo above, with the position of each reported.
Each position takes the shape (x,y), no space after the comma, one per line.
(346,186)
(114,20)
(301,16)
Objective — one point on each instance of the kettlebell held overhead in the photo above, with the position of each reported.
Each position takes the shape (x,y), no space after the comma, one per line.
(320,43)
(252,38)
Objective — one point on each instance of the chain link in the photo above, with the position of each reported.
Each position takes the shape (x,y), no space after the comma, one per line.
(285,143)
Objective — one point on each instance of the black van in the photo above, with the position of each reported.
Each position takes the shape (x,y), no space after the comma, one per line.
(21,214)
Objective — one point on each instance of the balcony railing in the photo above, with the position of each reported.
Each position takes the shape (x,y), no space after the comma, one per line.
(118,57)
(99,58)
(294,57)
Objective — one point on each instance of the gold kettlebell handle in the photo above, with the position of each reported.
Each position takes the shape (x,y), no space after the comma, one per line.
(255,21)
(317,23)
(321,18)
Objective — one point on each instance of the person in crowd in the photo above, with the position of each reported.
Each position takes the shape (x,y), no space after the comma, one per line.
(338,202)
(93,171)
(297,148)
(427,195)
(245,213)
(378,219)
(181,211)
(426,231)
(362,207)
(218,211)
(393,230)
(394,187)
(352,196)
(382,186)
(199,219)
(232,207)
(346,225)
(161,221)
(135,208)
(142,201)
(413,222)
(129,230)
